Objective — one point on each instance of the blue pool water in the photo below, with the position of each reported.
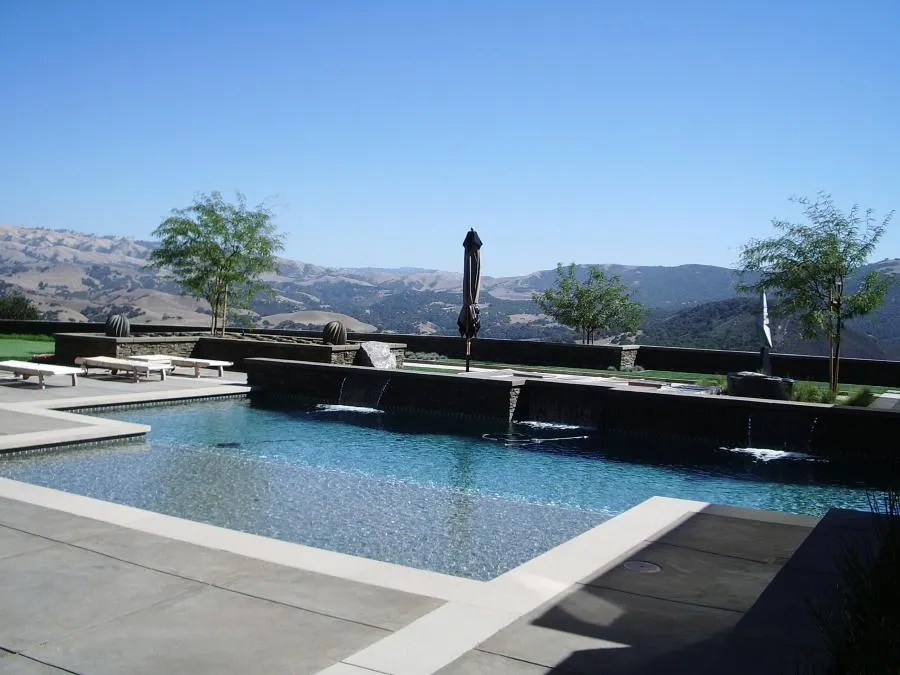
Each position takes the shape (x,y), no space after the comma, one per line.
(463,498)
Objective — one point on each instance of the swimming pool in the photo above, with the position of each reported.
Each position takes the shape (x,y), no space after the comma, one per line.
(469,499)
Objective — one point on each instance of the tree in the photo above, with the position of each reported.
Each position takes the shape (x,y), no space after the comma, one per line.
(809,267)
(601,302)
(16,307)
(217,251)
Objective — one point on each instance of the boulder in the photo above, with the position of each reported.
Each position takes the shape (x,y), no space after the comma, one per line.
(376,355)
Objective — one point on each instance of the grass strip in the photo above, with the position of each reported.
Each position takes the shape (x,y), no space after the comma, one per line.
(668,375)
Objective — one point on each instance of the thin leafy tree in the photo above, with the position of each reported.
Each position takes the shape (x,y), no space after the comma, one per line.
(809,267)
(16,306)
(602,302)
(218,251)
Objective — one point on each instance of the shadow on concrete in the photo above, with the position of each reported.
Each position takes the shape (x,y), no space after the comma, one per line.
(673,617)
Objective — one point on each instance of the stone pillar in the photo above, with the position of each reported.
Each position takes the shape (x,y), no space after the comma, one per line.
(628,356)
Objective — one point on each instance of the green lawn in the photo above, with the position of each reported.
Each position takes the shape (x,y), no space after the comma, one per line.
(23,347)
(670,376)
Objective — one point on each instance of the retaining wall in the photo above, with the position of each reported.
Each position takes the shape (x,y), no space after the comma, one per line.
(238,351)
(69,346)
(725,420)
(797,366)
(596,357)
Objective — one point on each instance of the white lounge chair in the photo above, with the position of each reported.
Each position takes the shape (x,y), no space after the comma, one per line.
(40,370)
(114,365)
(185,362)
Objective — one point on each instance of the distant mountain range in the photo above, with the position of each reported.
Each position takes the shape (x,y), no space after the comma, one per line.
(82,277)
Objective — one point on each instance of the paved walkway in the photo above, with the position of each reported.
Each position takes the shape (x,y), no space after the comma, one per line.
(93,587)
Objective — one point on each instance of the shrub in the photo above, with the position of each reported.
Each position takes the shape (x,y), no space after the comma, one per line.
(862,627)
(425,356)
(810,392)
(861,397)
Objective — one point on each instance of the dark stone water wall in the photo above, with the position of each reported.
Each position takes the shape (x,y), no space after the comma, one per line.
(472,395)
(722,420)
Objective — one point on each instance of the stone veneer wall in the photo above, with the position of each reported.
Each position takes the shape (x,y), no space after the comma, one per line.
(239,350)
(69,346)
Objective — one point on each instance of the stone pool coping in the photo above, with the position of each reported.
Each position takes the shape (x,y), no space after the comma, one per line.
(472,611)
(37,419)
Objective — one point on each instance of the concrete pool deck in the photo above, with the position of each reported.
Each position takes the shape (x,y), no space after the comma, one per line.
(93,587)
(31,417)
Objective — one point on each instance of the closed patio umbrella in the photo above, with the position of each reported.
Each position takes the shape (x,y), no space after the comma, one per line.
(468,321)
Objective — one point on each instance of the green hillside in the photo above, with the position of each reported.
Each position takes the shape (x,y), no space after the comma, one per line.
(732,324)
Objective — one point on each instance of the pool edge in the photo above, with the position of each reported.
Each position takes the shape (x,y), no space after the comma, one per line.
(616,537)
(87,430)
(473,610)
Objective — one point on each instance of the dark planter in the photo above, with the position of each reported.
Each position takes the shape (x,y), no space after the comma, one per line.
(756,385)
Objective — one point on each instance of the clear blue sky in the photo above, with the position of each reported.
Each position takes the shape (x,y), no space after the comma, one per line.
(663,132)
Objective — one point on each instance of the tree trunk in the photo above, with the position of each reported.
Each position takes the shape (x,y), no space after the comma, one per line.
(224,309)
(213,322)
(836,358)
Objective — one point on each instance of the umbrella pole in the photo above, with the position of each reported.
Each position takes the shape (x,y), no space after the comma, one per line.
(468,352)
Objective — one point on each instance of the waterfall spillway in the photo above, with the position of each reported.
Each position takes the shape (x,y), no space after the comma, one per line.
(812,429)
(362,391)
(381,393)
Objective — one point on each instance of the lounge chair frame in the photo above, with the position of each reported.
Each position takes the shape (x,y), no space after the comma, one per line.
(40,370)
(186,362)
(114,365)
